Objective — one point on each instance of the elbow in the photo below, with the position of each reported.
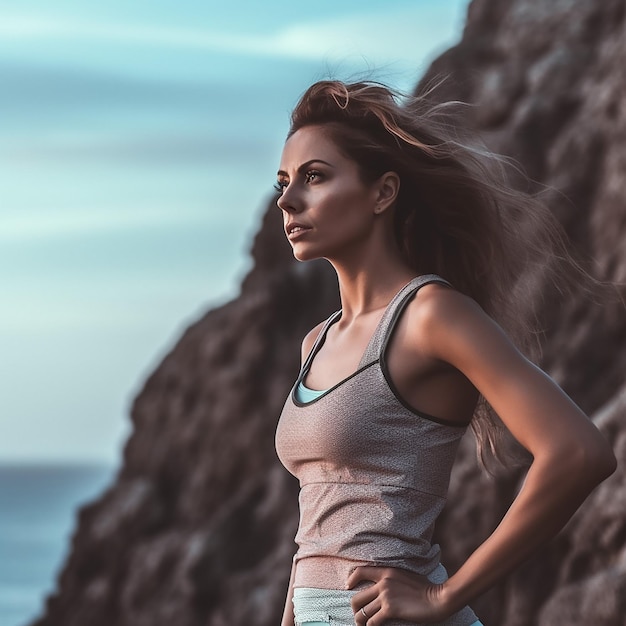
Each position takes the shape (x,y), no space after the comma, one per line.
(594,462)
(608,465)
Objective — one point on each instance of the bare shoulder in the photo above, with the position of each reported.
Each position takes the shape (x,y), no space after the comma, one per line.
(435,305)
(309,340)
(444,321)
(453,328)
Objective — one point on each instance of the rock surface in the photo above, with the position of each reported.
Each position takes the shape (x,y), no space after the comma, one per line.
(198,527)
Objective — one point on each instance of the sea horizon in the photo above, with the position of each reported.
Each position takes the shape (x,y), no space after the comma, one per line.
(39,502)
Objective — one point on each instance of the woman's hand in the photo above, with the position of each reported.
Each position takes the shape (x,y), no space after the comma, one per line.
(395,594)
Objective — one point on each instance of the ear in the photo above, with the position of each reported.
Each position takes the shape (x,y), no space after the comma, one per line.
(386,188)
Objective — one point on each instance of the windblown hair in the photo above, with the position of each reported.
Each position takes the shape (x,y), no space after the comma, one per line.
(456,214)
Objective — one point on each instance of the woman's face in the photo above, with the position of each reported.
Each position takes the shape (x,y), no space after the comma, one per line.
(328,211)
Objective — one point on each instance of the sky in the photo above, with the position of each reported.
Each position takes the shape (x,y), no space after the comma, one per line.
(139,142)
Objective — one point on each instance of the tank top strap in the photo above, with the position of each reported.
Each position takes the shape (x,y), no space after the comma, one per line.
(321,336)
(392,313)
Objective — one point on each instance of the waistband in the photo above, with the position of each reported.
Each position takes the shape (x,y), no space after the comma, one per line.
(323,605)
(332,606)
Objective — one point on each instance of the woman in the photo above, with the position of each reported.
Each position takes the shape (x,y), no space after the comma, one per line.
(426,243)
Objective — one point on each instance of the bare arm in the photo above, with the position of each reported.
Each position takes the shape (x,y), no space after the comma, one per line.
(570,457)
(288,619)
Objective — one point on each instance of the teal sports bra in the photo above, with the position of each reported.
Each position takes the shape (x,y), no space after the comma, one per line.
(304,394)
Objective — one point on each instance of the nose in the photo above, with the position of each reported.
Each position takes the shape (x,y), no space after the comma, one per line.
(288,200)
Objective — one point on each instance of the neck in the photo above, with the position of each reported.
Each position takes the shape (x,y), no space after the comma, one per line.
(371,272)
(366,287)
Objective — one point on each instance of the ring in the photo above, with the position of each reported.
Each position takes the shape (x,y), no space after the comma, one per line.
(364,613)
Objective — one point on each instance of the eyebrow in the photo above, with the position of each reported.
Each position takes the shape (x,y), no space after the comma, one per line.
(304,166)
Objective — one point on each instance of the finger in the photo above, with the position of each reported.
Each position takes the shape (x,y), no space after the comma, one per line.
(366,613)
(365,572)
(362,598)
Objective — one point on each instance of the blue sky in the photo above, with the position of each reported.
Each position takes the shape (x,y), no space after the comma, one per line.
(138,145)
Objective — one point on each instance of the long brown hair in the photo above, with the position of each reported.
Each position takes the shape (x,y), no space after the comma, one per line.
(456,215)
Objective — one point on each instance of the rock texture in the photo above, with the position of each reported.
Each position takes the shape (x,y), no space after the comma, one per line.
(197,528)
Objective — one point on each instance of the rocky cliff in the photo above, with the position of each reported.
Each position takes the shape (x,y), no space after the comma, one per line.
(198,527)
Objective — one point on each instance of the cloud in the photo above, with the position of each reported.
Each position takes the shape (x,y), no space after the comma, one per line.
(406,33)
(149,149)
(54,223)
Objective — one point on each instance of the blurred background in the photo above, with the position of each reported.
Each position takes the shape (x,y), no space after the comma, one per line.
(138,146)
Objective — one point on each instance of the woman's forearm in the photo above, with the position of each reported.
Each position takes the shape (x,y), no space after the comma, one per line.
(552,492)
(288,611)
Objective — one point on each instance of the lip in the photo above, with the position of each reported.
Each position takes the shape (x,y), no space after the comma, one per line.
(294,230)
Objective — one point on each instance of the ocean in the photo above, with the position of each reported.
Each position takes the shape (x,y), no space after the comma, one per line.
(38,504)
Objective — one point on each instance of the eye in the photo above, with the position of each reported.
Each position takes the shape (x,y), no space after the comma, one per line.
(311,176)
(280,185)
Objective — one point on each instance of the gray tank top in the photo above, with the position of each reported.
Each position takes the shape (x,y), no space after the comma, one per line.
(373,471)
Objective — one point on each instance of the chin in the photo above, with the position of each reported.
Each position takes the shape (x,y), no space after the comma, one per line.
(301,253)
(303,256)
